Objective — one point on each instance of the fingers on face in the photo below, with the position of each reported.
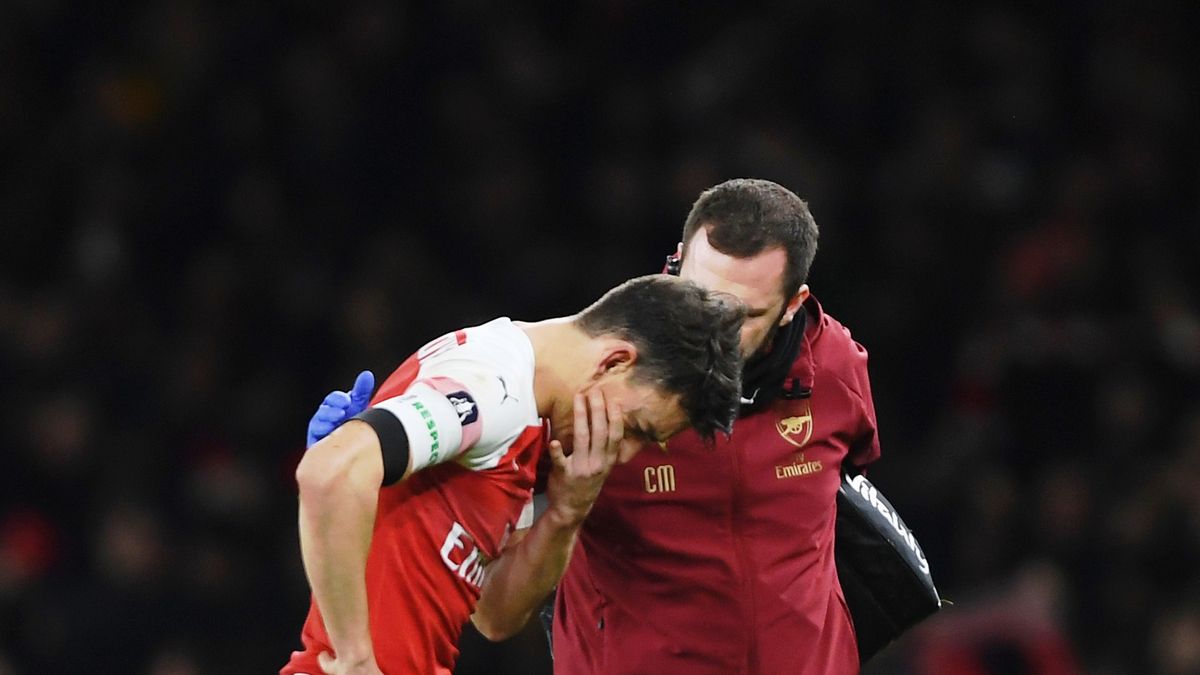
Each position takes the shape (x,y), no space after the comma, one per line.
(616,429)
(599,426)
(581,424)
(557,455)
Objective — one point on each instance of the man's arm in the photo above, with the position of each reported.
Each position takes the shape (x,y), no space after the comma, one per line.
(534,560)
(339,481)
(519,581)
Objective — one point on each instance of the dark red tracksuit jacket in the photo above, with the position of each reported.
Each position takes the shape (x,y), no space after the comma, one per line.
(720,559)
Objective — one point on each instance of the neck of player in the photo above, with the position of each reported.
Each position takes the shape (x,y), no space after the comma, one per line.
(564,363)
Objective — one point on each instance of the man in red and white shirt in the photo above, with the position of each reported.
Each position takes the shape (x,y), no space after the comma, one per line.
(403,508)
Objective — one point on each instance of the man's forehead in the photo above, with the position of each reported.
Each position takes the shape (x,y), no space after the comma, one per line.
(756,281)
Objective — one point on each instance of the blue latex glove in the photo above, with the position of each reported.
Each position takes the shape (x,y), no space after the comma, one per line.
(340,406)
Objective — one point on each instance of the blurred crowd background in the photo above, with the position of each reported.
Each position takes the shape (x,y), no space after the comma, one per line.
(214,213)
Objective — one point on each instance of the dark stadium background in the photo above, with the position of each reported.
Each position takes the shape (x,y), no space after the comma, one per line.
(214,213)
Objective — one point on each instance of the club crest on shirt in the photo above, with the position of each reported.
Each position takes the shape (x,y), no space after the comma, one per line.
(465,406)
(797,430)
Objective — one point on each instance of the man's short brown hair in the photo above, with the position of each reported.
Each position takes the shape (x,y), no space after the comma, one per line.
(687,340)
(746,216)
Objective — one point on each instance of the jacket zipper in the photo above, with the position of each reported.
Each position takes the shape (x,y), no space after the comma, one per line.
(742,558)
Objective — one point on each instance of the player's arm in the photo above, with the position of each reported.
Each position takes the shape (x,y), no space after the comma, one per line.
(520,579)
(339,480)
(340,477)
(534,560)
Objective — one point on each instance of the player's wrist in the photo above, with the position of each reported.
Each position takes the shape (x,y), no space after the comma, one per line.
(565,517)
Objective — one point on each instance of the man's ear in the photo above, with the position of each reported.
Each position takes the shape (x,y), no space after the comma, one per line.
(793,305)
(617,356)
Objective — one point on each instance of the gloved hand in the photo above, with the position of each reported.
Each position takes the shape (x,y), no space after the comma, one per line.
(340,406)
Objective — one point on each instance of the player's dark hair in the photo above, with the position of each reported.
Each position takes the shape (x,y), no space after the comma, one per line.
(687,340)
(746,216)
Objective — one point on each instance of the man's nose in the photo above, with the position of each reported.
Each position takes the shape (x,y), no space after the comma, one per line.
(747,339)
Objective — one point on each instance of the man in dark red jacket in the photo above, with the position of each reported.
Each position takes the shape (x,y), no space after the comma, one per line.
(698,559)
(701,559)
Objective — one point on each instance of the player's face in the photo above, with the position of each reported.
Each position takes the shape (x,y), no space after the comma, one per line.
(756,281)
(649,415)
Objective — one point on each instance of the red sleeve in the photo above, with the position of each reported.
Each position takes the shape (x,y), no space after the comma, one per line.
(865,447)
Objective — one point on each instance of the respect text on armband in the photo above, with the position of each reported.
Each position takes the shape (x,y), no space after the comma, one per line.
(431,427)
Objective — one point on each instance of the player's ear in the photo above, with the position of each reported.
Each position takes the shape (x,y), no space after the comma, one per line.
(617,356)
(794,304)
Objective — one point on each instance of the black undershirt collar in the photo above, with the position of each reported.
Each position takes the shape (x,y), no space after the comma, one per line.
(762,379)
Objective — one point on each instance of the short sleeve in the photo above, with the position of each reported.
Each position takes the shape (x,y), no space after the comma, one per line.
(457,410)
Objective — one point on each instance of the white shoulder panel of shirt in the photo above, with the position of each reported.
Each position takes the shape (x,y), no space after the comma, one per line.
(495,365)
